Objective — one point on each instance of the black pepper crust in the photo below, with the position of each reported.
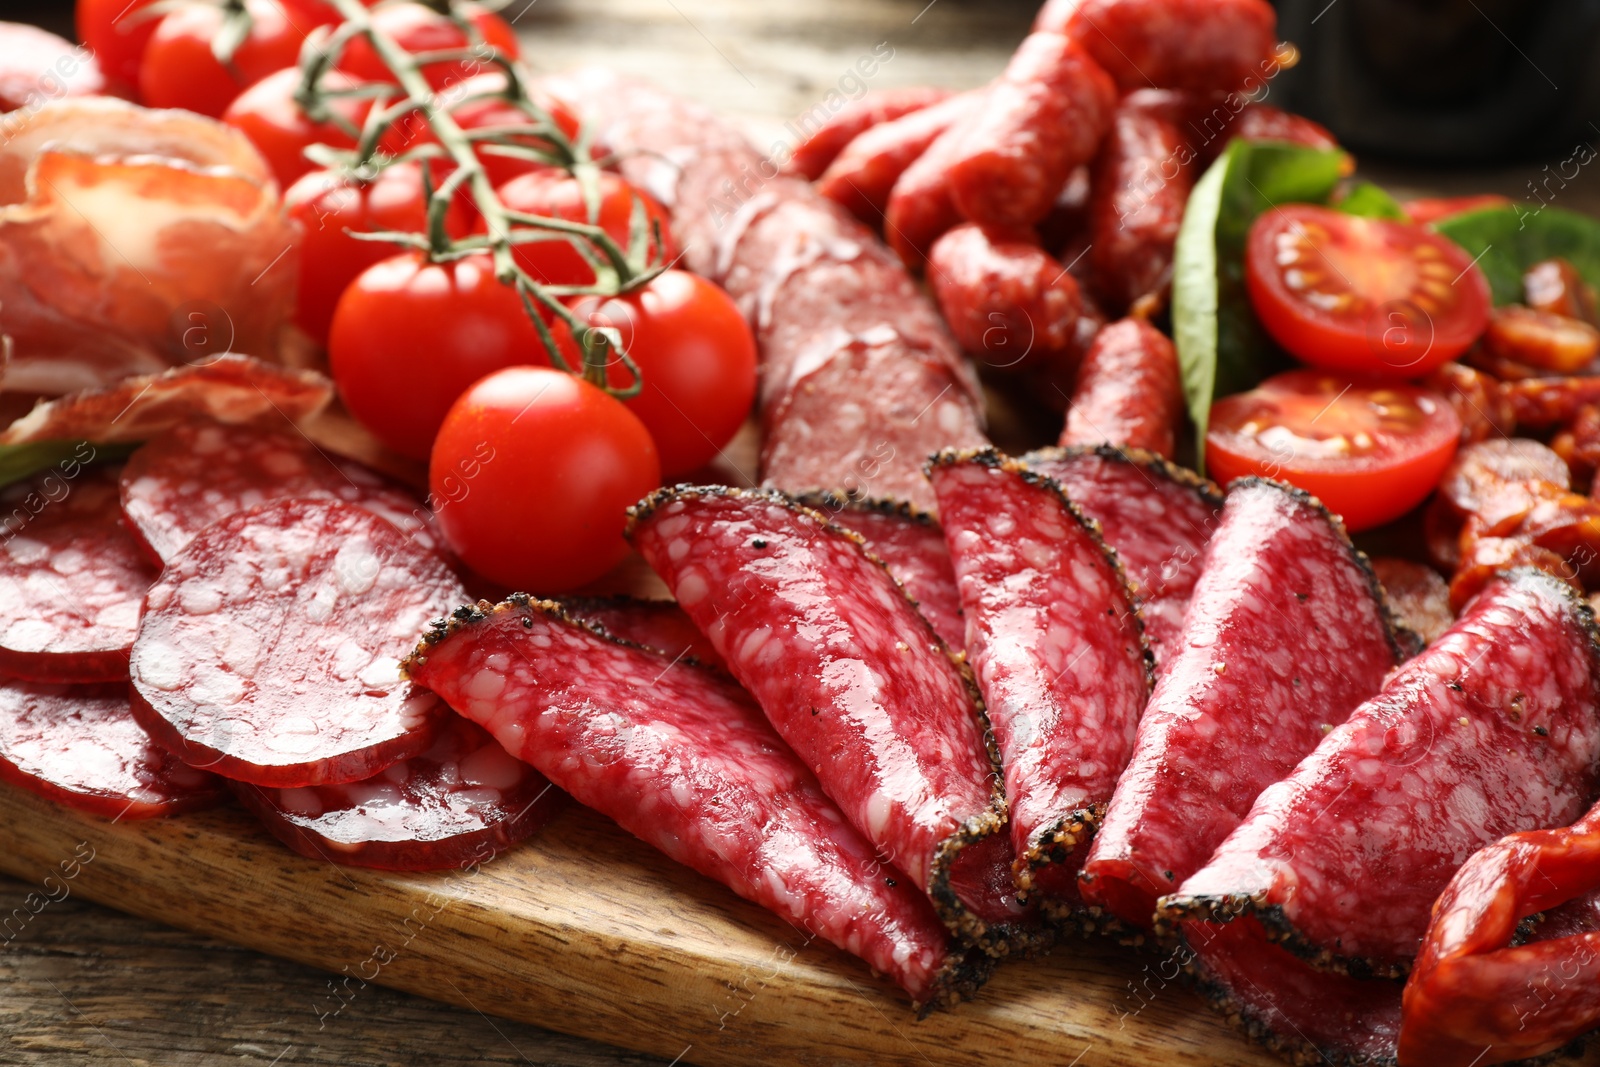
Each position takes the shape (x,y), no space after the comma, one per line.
(1056,843)
(966,967)
(829,502)
(1226,907)
(580,607)
(1149,462)
(999,940)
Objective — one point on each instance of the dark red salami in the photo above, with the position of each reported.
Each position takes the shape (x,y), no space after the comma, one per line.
(1419,596)
(683,759)
(1129,392)
(1156,516)
(71,576)
(851,676)
(813,155)
(862,177)
(1043,117)
(269,649)
(463,799)
(1286,633)
(196,473)
(911,544)
(1055,643)
(1172,44)
(656,624)
(80,746)
(1010,304)
(1494,728)
(1141,184)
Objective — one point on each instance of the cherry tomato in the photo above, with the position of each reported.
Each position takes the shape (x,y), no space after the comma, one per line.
(417,28)
(490,111)
(696,356)
(558,195)
(1371,450)
(179,69)
(409,336)
(116,31)
(268,115)
(1367,296)
(532,475)
(1428,209)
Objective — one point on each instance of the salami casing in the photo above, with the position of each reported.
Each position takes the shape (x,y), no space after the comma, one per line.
(80,746)
(851,676)
(1492,729)
(813,155)
(1055,643)
(1129,391)
(71,576)
(1224,45)
(269,649)
(463,799)
(682,758)
(1286,633)
(861,178)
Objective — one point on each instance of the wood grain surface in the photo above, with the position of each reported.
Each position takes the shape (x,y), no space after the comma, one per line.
(583,930)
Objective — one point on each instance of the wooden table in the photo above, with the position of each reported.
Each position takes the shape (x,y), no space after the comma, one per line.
(85,984)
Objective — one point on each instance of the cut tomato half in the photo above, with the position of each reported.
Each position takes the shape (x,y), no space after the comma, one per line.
(1366,296)
(1370,450)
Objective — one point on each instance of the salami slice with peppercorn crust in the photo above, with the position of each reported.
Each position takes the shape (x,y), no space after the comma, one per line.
(269,648)
(1156,516)
(1494,728)
(851,676)
(465,797)
(71,576)
(682,758)
(656,624)
(1056,646)
(912,546)
(1286,633)
(80,746)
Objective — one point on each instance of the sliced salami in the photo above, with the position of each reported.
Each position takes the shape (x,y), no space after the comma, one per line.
(911,544)
(1494,728)
(1155,515)
(656,624)
(80,746)
(1285,635)
(1055,643)
(71,576)
(269,649)
(682,758)
(197,473)
(1419,596)
(466,798)
(851,676)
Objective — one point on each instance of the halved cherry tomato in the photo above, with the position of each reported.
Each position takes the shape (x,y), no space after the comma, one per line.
(1362,295)
(116,31)
(532,475)
(1428,209)
(179,69)
(1371,451)
(558,195)
(410,336)
(696,356)
(417,29)
(268,115)
(328,208)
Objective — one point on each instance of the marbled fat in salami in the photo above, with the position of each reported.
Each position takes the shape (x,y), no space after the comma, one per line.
(1286,633)
(683,759)
(80,746)
(851,676)
(1494,728)
(1419,596)
(71,576)
(464,799)
(1055,643)
(1156,516)
(269,650)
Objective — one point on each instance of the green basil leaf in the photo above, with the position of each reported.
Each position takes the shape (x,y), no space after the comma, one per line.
(1371,201)
(1506,241)
(1221,347)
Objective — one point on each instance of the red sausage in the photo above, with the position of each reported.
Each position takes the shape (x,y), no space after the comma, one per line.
(1141,185)
(1010,304)
(1045,116)
(1129,393)
(921,208)
(1171,44)
(819,149)
(862,177)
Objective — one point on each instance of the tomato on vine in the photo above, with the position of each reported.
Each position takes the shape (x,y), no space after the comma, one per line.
(417,28)
(531,477)
(555,194)
(696,356)
(179,69)
(496,112)
(116,31)
(268,114)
